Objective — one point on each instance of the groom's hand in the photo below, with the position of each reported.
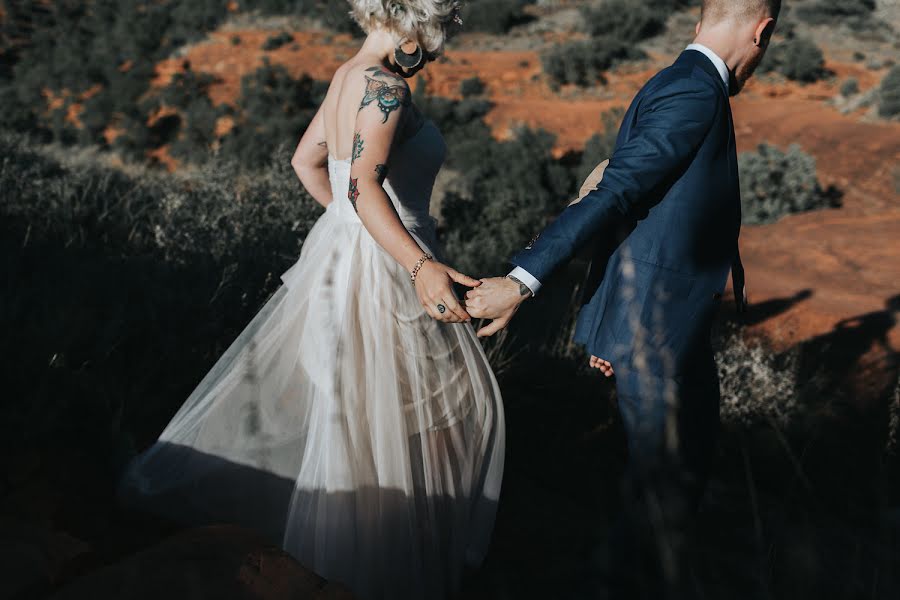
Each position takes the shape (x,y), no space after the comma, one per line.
(497,298)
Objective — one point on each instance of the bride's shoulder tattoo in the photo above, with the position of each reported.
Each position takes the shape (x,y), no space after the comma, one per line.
(390,95)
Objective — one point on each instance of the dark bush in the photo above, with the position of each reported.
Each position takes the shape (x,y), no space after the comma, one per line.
(798,59)
(776,183)
(889,103)
(461,123)
(624,19)
(100,54)
(336,16)
(854,13)
(615,27)
(124,287)
(494,16)
(850,87)
(274,42)
(471,87)
(333,14)
(584,62)
(512,187)
(274,109)
(192,131)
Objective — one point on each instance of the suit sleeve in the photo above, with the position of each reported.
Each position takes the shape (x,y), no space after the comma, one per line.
(667,134)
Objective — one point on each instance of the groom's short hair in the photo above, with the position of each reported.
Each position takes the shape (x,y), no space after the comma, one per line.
(713,11)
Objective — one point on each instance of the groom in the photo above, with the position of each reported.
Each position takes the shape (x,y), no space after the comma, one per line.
(663,223)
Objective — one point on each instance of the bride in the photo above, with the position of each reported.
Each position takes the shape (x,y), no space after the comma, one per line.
(355,420)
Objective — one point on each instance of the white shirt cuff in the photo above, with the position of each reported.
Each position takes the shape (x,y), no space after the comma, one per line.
(525,277)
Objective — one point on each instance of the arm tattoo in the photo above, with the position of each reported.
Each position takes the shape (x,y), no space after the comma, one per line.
(388,97)
(353,192)
(382,171)
(358,146)
(523,289)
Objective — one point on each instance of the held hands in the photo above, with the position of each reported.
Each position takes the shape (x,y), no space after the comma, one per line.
(497,298)
(434,286)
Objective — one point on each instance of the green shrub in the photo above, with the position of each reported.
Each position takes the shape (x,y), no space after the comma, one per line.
(109,49)
(615,27)
(889,103)
(494,16)
(776,183)
(850,87)
(473,86)
(274,42)
(623,19)
(252,216)
(854,13)
(584,62)
(513,187)
(461,123)
(798,59)
(336,16)
(274,109)
(190,132)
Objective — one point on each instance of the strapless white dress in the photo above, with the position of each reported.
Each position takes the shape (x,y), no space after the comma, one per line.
(346,424)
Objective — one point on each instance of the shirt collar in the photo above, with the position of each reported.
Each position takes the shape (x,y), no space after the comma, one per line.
(717,62)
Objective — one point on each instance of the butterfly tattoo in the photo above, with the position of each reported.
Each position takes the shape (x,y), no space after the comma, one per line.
(389,97)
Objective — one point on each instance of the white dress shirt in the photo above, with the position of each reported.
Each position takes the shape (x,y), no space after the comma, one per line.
(524,276)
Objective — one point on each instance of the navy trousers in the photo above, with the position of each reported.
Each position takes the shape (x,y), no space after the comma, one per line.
(672,429)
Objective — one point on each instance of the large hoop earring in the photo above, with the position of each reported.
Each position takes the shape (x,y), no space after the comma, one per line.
(406,60)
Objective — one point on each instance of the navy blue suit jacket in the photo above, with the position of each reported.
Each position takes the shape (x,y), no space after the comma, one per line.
(664,225)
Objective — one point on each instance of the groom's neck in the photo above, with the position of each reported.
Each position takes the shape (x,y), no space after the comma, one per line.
(721,41)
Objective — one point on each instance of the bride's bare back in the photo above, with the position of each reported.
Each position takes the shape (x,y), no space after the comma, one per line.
(366,113)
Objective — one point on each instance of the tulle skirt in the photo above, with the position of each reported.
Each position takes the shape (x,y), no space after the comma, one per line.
(361,435)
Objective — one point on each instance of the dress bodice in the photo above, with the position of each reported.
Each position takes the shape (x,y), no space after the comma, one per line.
(412,165)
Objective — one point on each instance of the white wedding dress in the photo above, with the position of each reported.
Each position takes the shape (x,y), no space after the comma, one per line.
(360,434)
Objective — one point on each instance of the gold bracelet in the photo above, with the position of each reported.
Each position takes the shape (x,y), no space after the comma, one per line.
(419,263)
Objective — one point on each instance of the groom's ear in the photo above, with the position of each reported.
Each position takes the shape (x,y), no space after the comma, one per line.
(697,28)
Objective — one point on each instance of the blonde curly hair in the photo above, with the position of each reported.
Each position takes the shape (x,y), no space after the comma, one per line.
(429,22)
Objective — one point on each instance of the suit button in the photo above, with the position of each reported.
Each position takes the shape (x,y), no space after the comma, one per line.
(717,296)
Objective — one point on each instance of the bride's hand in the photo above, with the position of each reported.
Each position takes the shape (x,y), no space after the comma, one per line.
(434,285)
(604,365)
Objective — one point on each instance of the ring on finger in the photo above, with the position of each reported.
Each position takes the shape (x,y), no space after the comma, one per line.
(441,308)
